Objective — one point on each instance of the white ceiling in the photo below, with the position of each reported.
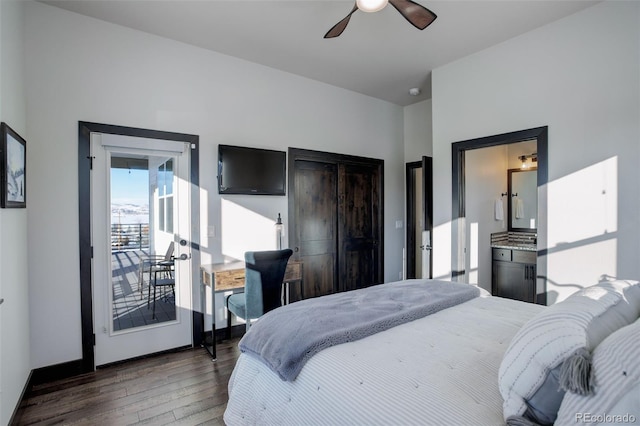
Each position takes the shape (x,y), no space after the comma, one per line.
(379,54)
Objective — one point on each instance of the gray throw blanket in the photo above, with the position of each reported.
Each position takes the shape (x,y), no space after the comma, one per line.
(287,337)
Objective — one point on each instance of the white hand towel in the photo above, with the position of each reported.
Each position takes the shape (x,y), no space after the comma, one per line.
(519,208)
(499,209)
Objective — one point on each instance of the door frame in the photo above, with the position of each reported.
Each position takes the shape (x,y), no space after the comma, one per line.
(427,186)
(458,194)
(85,163)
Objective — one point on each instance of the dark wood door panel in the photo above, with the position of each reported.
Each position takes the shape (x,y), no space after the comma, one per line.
(315,216)
(356,188)
(316,194)
(320,268)
(316,247)
(358,269)
(358,226)
(318,275)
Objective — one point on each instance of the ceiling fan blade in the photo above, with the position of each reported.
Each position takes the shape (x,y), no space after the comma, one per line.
(419,16)
(338,28)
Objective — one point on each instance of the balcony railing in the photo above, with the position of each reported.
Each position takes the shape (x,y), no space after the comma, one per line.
(129,236)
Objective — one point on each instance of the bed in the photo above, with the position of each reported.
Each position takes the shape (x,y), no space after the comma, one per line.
(442,368)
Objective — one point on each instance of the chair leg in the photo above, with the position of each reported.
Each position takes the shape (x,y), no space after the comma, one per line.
(228,324)
(149,292)
(154,303)
(141,279)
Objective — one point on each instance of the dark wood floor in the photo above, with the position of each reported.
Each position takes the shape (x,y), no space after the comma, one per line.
(183,388)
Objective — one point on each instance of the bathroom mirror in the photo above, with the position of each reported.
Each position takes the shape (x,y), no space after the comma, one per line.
(523,199)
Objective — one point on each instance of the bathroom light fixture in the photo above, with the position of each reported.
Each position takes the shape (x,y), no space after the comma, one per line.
(371,5)
(523,158)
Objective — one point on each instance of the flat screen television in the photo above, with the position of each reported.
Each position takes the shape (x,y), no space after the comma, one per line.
(243,170)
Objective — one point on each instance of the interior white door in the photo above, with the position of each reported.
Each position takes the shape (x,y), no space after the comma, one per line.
(425,251)
(425,176)
(129,318)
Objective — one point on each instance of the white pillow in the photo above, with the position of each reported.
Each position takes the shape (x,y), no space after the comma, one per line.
(536,354)
(616,391)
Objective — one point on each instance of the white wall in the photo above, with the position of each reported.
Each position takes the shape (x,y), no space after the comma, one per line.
(14,312)
(418,139)
(79,68)
(417,143)
(579,76)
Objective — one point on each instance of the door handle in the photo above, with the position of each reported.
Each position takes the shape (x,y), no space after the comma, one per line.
(183,256)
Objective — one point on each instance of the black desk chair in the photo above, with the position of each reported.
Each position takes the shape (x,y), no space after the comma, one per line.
(264,272)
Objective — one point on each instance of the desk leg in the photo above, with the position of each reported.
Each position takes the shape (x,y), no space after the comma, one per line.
(213,323)
(203,308)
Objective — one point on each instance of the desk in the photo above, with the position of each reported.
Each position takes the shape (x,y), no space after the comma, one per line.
(223,277)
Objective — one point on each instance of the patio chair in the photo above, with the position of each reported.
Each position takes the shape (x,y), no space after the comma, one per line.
(163,278)
(151,263)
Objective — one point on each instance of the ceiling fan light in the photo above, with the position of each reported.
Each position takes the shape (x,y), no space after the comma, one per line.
(371,5)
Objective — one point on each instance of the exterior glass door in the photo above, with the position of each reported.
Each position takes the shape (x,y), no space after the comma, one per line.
(141,265)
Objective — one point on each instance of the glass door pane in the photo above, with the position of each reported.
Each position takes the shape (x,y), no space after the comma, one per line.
(142,269)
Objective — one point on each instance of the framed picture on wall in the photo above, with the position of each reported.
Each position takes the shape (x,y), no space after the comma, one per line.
(13,169)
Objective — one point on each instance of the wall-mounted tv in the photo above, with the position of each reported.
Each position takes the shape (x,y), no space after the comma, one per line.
(243,170)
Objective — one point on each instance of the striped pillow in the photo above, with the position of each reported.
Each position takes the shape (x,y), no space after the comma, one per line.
(529,376)
(616,392)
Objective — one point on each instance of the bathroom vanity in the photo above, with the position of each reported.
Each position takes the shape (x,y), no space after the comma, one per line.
(513,270)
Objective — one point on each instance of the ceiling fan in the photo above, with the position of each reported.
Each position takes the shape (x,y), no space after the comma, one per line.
(419,16)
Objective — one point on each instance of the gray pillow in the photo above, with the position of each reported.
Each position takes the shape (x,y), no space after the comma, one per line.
(616,391)
(564,332)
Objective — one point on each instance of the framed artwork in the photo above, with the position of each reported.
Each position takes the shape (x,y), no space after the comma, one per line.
(13,169)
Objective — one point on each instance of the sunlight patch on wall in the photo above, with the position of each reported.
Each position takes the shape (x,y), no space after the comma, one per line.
(589,263)
(442,251)
(582,228)
(244,230)
(204,225)
(584,204)
(473,253)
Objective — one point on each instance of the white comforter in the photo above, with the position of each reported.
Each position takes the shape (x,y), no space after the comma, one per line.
(439,370)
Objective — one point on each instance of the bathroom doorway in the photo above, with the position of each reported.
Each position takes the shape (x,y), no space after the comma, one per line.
(470,156)
(488,200)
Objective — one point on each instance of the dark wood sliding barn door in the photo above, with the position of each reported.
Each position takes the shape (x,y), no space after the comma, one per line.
(314,241)
(335,221)
(358,228)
